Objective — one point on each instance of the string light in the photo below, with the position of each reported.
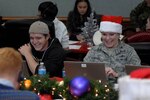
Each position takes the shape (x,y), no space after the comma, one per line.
(60,95)
(105,86)
(96,90)
(107,90)
(34,89)
(100,81)
(52,92)
(54,89)
(38,93)
(96,94)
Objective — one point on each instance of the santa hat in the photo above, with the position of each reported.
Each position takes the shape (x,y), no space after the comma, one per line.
(111,24)
(136,86)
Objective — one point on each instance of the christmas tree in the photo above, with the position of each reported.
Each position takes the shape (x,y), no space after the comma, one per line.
(90,28)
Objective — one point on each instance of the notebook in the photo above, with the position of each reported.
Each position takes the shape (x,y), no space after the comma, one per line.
(130,68)
(92,71)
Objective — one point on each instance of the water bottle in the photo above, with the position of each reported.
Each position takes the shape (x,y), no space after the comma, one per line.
(63,73)
(41,69)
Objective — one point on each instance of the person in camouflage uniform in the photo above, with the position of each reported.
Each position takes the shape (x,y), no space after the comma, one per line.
(139,15)
(113,52)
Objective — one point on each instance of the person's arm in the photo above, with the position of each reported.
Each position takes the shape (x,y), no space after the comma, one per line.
(65,37)
(25,50)
(61,33)
(133,58)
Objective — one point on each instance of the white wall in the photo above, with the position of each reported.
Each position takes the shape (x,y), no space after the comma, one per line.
(29,7)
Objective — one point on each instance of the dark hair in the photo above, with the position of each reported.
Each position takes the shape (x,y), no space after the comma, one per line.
(75,21)
(88,9)
(48,10)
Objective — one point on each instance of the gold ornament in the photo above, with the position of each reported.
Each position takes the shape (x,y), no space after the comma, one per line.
(27,84)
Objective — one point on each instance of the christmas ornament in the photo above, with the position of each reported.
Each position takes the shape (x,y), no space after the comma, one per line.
(79,85)
(45,97)
(27,84)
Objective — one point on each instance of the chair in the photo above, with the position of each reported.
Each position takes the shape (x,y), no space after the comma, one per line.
(141,43)
(138,37)
(15,33)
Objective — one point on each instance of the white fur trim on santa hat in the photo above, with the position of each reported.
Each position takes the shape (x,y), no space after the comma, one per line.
(97,37)
(133,89)
(106,26)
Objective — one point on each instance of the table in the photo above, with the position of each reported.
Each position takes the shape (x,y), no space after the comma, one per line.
(77,50)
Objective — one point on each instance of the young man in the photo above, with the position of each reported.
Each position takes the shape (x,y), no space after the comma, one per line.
(43,47)
(10,67)
(48,11)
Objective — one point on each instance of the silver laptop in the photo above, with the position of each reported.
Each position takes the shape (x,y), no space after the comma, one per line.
(92,71)
(130,68)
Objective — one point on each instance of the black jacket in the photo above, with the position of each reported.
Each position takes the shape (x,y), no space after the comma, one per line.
(53,58)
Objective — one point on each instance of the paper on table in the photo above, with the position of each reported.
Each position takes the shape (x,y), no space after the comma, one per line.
(73,42)
(74,46)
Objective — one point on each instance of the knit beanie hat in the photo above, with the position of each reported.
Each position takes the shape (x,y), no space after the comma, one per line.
(39,27)
(111,24)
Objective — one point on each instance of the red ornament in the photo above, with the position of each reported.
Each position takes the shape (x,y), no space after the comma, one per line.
(45,97)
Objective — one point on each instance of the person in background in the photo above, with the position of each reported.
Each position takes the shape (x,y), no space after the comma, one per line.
(139,15)
(10,68)
(43,47)
(48,11)
(113,52)
(148,25)
(77,18)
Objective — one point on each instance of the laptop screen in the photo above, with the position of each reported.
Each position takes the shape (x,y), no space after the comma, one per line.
(92,71)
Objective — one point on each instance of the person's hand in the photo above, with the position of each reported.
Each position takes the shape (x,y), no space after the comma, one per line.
(25,49)
(80,38)
(110,72)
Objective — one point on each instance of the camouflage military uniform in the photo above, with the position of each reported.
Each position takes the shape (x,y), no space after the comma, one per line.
(139,16)
(116,58)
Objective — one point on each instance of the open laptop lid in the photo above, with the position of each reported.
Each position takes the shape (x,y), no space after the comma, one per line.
(92,71)
(130,68)
(25,71)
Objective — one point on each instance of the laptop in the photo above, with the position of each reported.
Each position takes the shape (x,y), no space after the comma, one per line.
(92,71)
(25,71)
(130,68)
